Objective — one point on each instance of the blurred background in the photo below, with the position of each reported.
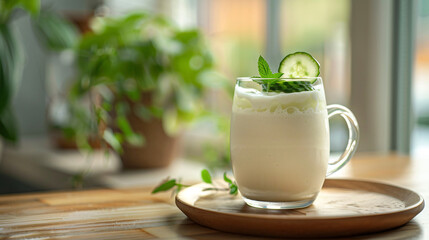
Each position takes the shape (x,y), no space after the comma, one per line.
(94,66)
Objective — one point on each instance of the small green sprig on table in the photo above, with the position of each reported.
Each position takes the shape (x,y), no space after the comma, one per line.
(176,185)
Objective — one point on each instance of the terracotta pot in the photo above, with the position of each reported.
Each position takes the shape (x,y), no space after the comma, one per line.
(159,149)
(61,142)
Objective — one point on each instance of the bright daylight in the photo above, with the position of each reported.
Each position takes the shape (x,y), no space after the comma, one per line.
(214,119)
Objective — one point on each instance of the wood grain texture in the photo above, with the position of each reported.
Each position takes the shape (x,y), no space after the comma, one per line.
(136,214)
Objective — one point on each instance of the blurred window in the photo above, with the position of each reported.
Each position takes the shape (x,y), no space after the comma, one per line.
(239,31)
(322,29)
(420,141)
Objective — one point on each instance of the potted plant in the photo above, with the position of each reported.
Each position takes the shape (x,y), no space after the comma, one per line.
(144,79)
(11,64)
(59,36)
(55,34)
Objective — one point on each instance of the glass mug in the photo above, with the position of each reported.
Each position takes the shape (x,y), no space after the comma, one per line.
(280,143)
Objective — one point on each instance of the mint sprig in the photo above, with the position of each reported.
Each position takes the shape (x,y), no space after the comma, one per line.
(170,184)
(264,69)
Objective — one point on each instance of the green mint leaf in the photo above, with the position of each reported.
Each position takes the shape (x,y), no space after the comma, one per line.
(265,71)
(226,179)
(264,68)
(276,75)
(205,175)
(233,189)
(124,125)
(113,140)
(165,186)
(273,75)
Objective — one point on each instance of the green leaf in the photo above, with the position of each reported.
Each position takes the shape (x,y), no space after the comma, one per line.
(119,137)
(276,75)
(133,94)
(112,140)
(185,98)
(11,65)
(156,111)
(131,137)
(5,67)
(68,132)
(124,125)
(264,68)
(165,186)
(8,6)
(32,6)
(205,176)
(233,189)
(56,32)
(136,139)
(226,179)
(179,187)
(106,106)
(265,71)
(8,127)
(232,185)
(170,121)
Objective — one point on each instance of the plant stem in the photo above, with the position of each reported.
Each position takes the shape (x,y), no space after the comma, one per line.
(216,189)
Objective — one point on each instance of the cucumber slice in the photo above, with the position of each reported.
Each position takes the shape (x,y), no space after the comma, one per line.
(298,65)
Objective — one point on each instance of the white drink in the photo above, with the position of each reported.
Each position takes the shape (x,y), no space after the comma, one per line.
(279,144)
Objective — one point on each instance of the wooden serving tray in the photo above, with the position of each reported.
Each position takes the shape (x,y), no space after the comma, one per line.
(343,208)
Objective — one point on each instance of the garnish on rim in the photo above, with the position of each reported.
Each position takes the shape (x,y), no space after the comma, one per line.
(296,65)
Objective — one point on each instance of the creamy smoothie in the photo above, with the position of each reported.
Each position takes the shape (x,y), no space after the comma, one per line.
(279,143)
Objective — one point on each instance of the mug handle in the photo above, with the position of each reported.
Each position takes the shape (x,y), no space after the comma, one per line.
(352,124)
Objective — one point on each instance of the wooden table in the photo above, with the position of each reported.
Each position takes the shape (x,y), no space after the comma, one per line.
(136,214)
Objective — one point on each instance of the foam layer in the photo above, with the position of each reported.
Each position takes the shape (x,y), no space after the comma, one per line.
(253,100)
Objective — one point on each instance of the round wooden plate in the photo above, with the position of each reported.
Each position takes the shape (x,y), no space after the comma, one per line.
(343,208)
